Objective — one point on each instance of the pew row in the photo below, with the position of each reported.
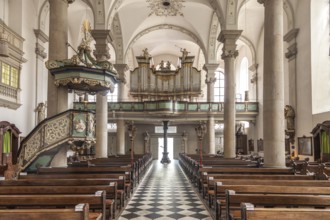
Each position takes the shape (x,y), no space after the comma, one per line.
(96,201)
(232,202)
(250,212)
(80,212)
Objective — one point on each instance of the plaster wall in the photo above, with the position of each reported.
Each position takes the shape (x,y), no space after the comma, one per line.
(23,24)
(304,99)
(320,69)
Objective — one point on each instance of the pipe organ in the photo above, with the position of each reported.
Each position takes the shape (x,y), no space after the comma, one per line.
(164,81)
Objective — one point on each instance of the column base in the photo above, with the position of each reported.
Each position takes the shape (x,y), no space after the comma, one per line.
(165,158)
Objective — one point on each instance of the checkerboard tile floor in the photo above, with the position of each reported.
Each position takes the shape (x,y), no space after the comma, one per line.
(165,193)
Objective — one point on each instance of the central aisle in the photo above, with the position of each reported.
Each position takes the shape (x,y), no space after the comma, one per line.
(165,193)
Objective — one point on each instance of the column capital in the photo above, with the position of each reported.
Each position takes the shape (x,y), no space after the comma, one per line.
(210,67)
(103,93)
(102,38)
(121,69)
(229,53)
(261,1)
(229,36)
(103,35)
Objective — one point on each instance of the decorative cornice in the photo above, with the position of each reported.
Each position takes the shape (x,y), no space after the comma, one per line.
(292,51)
(229,35)
(291,35)
(40,51)
(40,35)
(210,67)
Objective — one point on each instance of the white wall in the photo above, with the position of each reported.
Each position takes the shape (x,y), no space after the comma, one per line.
(23,23)
(320,56)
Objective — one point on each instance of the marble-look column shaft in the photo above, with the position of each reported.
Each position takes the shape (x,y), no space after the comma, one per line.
(273,87)
(57,99)
(102,38)
(120,137)
(210,80)
(229,53)
(211,135)
(121,69)
(101,149)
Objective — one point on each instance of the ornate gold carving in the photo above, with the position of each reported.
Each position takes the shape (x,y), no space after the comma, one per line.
(57,130)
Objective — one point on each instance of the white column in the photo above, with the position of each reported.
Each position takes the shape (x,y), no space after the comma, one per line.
(273,91)
(211,135)
(102,38)
(121,69)
(120,137)
(229,53)
(101,149)
(210,80)
(58,37)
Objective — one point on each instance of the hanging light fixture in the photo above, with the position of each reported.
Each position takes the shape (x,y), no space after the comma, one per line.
(4,52)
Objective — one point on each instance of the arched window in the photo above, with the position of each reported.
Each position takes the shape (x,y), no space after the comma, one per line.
(219,86)
(243,79)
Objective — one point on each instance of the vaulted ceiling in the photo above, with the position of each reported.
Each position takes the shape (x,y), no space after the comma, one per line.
(135,25)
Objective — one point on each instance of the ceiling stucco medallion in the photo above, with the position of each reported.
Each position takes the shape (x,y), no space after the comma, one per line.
(165,7)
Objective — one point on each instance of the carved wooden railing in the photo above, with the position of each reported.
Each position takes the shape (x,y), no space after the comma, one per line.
(53,133)
(171,106)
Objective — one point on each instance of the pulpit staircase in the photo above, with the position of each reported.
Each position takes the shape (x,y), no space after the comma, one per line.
(52,134)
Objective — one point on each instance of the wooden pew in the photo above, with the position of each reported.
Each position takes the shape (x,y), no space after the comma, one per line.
(111,191)
(209,190)
(64,182)
(204,172)
(249,212)
(233,200)
(123,181)
(80,212)
(124,170)
(97,200)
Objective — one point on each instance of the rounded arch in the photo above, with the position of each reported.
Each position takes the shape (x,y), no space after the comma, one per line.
(213,35)
(289,13)
(251,47)
(197,40)
(43,13)
(219,12)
